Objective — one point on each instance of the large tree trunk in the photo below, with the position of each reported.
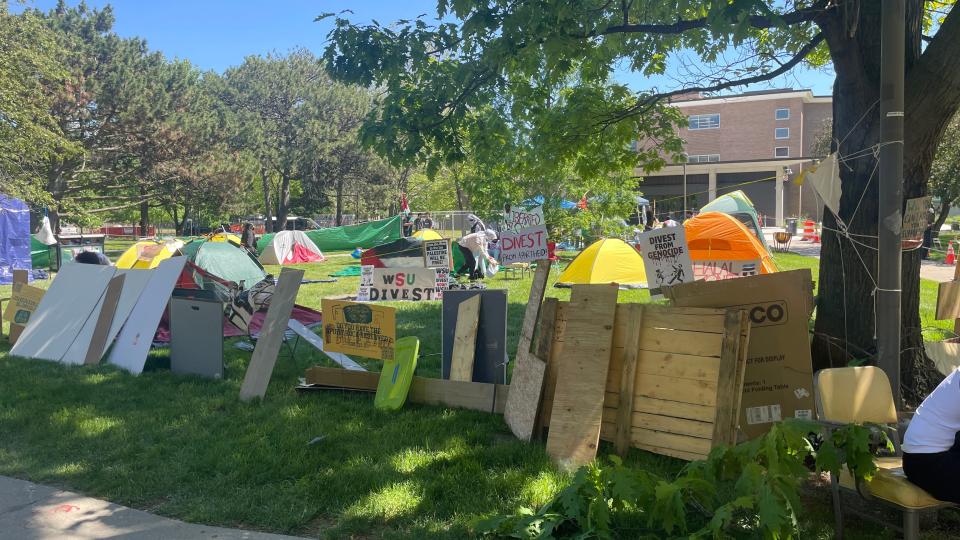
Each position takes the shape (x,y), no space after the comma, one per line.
(846,314)
(144,211)
(339,203)
(267,206)
(283,201)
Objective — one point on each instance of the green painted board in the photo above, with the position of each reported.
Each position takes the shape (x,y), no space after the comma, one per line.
(397,374)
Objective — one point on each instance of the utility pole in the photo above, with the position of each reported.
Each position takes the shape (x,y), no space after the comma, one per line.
(686,159)
(892,49)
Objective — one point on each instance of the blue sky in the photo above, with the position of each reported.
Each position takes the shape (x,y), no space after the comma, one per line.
(217,34)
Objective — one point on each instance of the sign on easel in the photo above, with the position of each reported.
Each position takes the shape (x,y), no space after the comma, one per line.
(916,219)
(360,329)
(666,258)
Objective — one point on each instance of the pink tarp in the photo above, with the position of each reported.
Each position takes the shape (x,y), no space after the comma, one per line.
(305,315)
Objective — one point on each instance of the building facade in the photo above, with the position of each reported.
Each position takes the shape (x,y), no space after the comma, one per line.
(757,142)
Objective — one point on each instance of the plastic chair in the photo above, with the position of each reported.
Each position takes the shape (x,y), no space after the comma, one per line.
(858,395)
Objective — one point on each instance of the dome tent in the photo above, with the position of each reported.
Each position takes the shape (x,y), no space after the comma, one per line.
(737,204)
(427,234)
(715,237)
(147,254)
(608,260)
(291,247)
(210,264)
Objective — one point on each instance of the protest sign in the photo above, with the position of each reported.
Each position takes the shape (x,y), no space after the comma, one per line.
(916,219)
(721,270)
(436,254)
(528,245)
(516,218)
(23,303)
(359,329)
(666,259)
(401,284)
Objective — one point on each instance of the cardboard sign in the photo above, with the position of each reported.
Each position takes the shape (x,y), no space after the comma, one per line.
(359,329)
(779,377)
(410,284)
(443,281)
(436,254)
(527,245)
(366,279)
(666,258)
(23,303)
(721,270)
(915,220)
(516,219)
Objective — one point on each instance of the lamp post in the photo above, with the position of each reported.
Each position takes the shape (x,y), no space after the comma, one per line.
(686,158)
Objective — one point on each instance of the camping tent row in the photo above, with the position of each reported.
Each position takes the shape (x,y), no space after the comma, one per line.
(712,237)
(286,247)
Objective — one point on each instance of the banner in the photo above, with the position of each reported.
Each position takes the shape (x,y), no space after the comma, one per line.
(348,237)
(409,284)
(359,329)
(666,259)
(916,219)
(720,270)
(23,303)
(436,254)
(516,218)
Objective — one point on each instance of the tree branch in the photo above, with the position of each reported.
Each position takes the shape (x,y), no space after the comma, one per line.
(757,21)
(649,101)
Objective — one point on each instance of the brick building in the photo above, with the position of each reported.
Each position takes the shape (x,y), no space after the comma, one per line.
(755,141)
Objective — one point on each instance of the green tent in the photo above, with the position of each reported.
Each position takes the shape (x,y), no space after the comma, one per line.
(349,237)
(225,260)
(738,205)
(39,253)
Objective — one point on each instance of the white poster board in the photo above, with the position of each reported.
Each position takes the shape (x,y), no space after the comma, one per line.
(516,218)
(436,254)
(916,219)
(402,284)
(666,259)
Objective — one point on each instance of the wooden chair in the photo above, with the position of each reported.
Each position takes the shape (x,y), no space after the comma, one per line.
(858,395)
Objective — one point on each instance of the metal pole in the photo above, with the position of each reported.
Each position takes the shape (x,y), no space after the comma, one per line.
(891,191)
(684,217)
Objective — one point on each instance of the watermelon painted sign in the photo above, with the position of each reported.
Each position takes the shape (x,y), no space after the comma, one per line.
(720,270)
(404,284)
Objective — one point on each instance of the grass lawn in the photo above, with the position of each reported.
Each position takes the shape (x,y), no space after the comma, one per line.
(185,447)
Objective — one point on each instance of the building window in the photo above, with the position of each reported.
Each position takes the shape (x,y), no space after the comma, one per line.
(782,151)
(703,158)
(783,114)
(783,133)
(704,121)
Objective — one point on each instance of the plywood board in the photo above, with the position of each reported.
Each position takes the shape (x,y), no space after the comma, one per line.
(526,383)
(133,342)
(98,343)
(628,376)
(101,315)
(948,300)
(732,365)
(264,356)
(63,311)
(582,376)
(491,350)
(313,339)
(465,340)
(343,378)
(681,342)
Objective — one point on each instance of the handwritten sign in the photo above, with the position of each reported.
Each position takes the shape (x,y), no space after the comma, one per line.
(23,303)
(525,246)
(359,329)
(915,221)
(721,270)
(436,254)
(666,258)
(516,219)
(406,284)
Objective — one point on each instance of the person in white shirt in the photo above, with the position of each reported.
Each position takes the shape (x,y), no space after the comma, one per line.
(670,222)
(931,449)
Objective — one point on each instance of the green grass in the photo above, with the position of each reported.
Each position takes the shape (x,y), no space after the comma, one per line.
(185,447)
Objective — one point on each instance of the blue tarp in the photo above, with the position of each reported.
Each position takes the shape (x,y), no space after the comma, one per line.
(14,238)
(538,200)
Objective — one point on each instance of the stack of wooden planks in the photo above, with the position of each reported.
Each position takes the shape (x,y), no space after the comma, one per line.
(671,378)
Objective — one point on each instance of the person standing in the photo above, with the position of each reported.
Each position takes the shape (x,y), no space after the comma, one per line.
(476,225)
(670,222)
(931,449)
(427,221)
(248,238)
(418,223)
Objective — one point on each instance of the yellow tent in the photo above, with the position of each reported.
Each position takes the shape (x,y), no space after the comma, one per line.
(722,247)
(224,237)
(609,260)
(147,254)
(427,234)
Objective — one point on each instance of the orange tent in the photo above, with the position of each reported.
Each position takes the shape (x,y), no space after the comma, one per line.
(722,247)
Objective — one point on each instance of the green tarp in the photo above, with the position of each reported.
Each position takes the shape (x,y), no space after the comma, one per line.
(349,237)
(39,254)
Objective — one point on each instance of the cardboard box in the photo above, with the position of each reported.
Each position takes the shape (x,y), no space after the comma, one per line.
(779,376)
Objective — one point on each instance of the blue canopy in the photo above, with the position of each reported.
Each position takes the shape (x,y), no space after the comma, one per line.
(538,200)
(14,238)
(641,201)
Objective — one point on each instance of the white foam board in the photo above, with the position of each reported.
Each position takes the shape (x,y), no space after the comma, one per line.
(133,342)
(63,311)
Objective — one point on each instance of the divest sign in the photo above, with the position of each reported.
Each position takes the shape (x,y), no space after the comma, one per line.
(666,259)
(410,284)
(525,246)
(359,329)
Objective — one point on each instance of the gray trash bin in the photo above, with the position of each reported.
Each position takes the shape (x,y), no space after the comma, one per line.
(792,226)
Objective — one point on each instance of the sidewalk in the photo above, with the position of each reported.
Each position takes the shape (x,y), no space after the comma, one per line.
(931,270)
(31,511)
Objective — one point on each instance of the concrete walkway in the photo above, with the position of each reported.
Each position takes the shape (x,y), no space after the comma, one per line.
(31,511)
(931,270)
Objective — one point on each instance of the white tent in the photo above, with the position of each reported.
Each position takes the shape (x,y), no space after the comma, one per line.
(291,247)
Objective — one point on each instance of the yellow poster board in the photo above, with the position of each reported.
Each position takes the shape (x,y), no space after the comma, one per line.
(359,328)
(23,303)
